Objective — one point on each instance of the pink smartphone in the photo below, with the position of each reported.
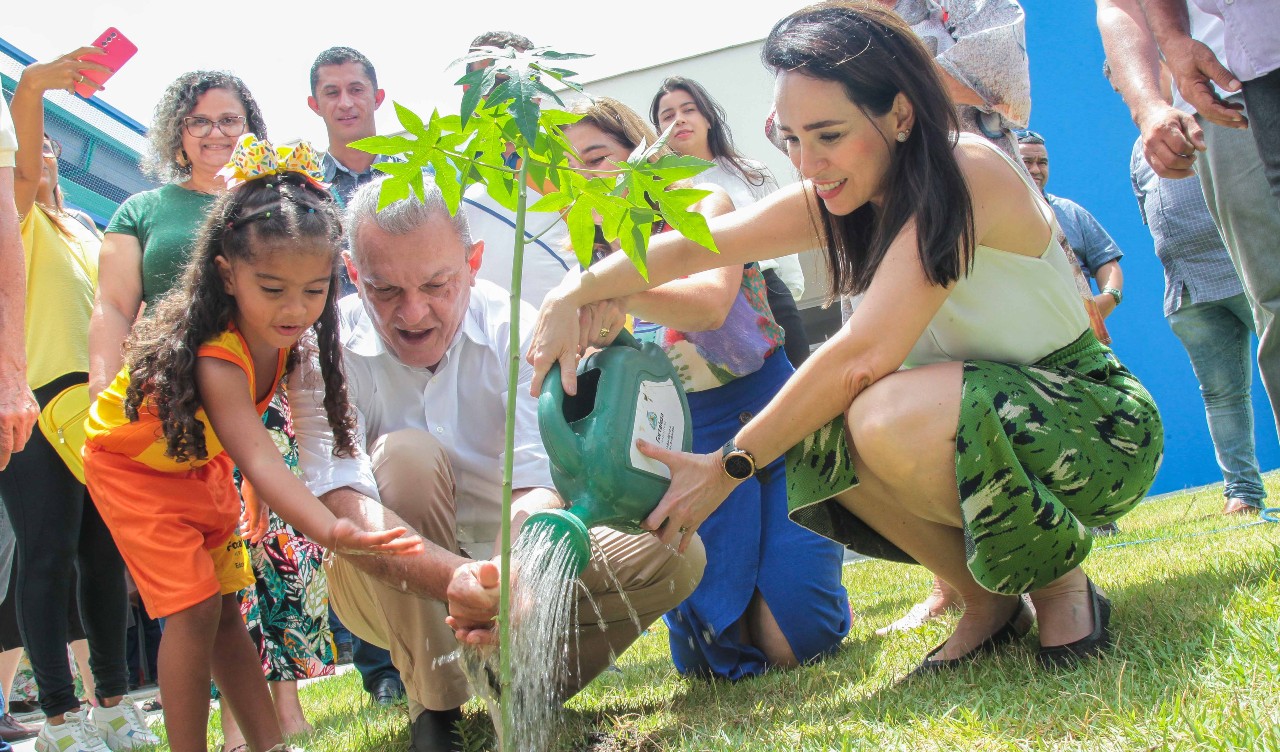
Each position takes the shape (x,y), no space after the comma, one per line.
(118,50)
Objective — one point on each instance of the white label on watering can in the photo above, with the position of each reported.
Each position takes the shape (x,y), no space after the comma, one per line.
(659,420)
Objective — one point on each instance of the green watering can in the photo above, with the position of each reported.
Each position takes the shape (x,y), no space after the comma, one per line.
(626,391)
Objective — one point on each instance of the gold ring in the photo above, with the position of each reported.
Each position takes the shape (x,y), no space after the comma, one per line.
(604,331)
(81,79)
(684,529)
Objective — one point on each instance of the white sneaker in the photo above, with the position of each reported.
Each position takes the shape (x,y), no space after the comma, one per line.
(123,726)
(75,734)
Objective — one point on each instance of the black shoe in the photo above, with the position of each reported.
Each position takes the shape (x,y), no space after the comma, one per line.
(1106,531)
(436,731)
(23,706)
(12,731)
(1097,641)
(344,655)
(387,691)
(1006,634)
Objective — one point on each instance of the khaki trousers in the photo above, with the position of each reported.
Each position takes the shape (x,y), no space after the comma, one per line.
(415,482)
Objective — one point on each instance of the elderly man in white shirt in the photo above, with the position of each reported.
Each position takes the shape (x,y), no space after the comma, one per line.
(425,357)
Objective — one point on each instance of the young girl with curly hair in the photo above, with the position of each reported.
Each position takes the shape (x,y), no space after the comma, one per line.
(185,411)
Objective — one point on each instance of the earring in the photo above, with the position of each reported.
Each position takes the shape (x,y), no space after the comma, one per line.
(183,160)
(902,136)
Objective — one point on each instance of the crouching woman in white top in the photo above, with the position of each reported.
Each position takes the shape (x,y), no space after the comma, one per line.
(965,417)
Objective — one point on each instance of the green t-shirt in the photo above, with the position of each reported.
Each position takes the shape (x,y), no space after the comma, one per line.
(165,221)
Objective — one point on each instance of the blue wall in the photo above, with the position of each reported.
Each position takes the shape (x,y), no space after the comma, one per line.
(1089,136)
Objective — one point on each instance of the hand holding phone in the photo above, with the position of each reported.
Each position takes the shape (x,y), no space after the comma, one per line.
(116,51)
(66,72)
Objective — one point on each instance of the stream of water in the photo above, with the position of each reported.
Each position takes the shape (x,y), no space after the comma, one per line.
(545,600)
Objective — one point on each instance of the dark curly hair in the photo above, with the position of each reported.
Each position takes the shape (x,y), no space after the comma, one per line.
(277,211)
(165,134)
(871,52)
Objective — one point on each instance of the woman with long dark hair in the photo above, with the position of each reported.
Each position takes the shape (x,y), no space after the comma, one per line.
(965,417)
(700,128)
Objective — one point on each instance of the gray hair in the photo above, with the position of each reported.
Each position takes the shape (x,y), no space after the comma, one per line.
(401,217)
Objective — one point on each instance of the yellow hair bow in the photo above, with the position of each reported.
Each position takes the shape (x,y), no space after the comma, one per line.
(254,158)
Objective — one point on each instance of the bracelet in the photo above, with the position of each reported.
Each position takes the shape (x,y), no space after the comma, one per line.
(1113,292)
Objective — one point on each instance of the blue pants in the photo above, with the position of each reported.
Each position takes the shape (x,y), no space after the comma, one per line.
(753,547)
(1218,337)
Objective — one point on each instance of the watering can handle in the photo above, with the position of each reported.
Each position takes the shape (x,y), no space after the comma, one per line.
(551,423)
(626,339)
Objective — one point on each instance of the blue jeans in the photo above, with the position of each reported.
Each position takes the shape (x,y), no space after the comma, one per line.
(1218,336)
(1234,180)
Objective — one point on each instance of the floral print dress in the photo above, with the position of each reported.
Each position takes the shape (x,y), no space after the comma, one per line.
(287,609)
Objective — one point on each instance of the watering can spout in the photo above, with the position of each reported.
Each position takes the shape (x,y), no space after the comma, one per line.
(566,527)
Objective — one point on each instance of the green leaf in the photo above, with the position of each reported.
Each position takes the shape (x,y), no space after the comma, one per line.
(680,199)
(393,190)
(553,55)
(410,120)
(400,170)
(613,210)
(523,90)
(582,231)
(384,145)
(552,202)
(478,83)
(418,184)
(558,118)
(673,167)
(692,225)
(447,179)
(501,186)
(484,53)
(636,245)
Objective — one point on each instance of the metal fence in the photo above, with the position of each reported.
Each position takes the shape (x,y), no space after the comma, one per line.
(101,146)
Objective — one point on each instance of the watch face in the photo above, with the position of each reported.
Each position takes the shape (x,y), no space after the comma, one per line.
(737,466)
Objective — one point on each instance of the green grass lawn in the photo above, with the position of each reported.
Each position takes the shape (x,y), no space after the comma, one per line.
(1196,666)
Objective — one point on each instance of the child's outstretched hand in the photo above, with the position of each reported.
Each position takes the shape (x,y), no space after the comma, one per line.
(256,517)
(351,540)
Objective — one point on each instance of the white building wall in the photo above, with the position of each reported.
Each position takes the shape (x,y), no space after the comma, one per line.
(737,79)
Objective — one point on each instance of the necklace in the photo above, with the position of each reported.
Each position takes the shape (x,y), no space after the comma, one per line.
(190,185)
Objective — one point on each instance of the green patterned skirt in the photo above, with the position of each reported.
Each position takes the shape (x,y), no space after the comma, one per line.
(1043,453)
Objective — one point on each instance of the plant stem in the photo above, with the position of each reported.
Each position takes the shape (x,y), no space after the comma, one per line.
(513,381)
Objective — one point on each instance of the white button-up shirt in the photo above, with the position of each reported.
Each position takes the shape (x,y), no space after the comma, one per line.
(462,403)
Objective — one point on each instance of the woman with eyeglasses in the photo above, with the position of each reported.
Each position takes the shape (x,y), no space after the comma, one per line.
(196,125)
(58,530)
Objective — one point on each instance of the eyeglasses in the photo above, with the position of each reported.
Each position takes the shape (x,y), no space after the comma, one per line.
(51,149)
(1028,137)
(199,127)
